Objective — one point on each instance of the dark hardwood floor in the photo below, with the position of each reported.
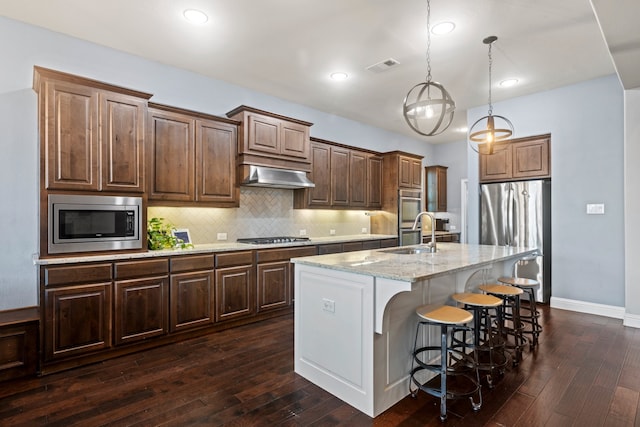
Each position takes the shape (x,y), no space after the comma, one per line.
(586,372)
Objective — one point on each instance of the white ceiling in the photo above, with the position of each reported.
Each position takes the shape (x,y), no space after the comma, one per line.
(288,48)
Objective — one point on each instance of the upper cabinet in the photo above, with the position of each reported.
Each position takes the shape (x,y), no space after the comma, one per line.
(91,133)
(522,158)
(191,158)
(268,139)
(403,170)
(344,178)
(436,185)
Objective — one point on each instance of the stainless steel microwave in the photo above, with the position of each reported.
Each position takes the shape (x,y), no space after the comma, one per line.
(79,223)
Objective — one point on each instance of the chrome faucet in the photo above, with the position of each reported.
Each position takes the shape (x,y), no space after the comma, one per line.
(432,244)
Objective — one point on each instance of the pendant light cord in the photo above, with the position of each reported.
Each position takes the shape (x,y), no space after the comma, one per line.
(428,41)
(490,64)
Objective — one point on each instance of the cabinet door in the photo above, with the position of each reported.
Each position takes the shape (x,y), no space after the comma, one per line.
(71,136)
(416,173)
(77,320)
(264,134)
(436,186)
(496,166)
(234,293)
(339,176)
(216,146)
(122,124)
(171,152)
(295,140)
(357,179)
(141,309)
(404,172)
(192,300)
(531,159)
(374,181)
(274,285)
(320,195)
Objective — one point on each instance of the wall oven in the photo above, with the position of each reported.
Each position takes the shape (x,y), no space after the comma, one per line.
(409,206)
(79,223)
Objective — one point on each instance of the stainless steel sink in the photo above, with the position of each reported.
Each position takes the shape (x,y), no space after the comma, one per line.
(411,250)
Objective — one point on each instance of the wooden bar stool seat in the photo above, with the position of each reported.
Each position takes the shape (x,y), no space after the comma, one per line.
(510,312)
(442,370)
(488,340)
(529,315)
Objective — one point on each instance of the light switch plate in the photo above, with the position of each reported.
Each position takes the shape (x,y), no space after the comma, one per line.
(303,232)
(595,208)
(222,236)
(332,232)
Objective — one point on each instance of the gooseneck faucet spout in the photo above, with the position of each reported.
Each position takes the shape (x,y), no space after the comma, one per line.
(432,243)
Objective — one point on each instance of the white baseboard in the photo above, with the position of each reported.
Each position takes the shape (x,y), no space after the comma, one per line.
(589,307)
(631,320)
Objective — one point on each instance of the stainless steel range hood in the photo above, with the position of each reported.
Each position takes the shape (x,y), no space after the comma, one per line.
(261,176)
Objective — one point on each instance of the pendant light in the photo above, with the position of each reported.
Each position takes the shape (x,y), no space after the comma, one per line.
(488,130)
(428,108)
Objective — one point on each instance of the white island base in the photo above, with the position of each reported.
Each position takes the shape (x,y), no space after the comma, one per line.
(355,318)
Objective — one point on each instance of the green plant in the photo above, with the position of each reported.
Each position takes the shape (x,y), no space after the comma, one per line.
(159,235)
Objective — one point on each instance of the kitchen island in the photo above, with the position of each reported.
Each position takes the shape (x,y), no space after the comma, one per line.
(355,313)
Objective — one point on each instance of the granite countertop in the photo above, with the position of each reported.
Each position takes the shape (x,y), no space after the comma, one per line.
(449,258)
(207,248)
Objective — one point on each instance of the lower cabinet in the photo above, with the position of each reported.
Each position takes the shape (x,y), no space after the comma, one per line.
(235,296)
(192,292)
(140,309)
(77,320)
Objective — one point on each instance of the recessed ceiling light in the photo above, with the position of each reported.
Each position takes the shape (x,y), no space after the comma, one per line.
(443,28)
(195,16)
(509,82)
(339,76)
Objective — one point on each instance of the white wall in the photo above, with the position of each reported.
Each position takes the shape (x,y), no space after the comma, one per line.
(585,121)
(632,206)
(454,156)
(24,46)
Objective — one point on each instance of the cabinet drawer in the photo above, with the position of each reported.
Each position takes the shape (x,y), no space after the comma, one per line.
(85,273)
(234,258)
(388,243)
(284,254)
(371,244)
(132,269)
(331,248)
(351,246)
(190,263)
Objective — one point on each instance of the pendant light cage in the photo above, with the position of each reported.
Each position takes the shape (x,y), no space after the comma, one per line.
(428,107)
(487,132)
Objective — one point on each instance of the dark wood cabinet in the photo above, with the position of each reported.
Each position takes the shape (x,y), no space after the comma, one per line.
(140,309)
(436,186)
(522,158)
(192,292)
(345,178)
(191,158)
(339,176)
(234,284)
(269,139)
(77,320)
(141,299)
(409,172)
(374,181)
(19,331)
(92,133)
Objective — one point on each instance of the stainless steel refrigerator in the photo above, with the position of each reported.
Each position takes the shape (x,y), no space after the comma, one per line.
(519,214)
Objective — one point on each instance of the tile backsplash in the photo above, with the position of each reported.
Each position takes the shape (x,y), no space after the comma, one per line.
(263,212)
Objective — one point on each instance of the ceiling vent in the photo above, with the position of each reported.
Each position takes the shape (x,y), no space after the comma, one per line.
(383,65)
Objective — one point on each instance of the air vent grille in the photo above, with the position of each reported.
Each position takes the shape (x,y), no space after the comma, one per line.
(383,65)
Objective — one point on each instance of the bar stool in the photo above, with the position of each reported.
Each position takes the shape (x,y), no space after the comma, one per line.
(510,311)
(530,315)
(488,341)
(458,370)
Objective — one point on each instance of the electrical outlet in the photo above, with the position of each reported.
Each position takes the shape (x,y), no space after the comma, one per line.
(303,232)
(595,209)
(452,227)
(364,230)
(332,232)
(328,305)
(222,236)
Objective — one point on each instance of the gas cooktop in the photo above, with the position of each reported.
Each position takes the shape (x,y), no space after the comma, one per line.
(269,240)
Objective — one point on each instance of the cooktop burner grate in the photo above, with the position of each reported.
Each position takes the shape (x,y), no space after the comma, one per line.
(269,240)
